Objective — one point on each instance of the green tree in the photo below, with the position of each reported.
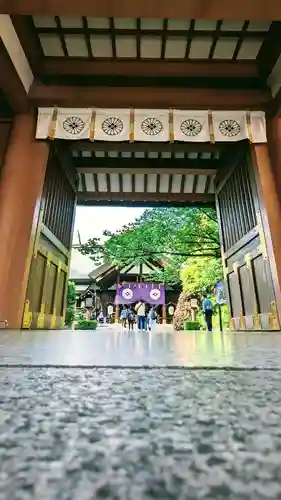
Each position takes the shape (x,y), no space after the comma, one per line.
(71,299)
(199,275)
(169,234)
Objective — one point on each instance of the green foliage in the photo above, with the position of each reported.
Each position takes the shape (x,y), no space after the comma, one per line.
(85,324)
(192,325)
(69,316)
(71,298)
(168,234)
(200,275)
(71,293)
(78,315)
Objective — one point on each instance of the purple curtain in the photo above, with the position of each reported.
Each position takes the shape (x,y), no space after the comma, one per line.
(150,293)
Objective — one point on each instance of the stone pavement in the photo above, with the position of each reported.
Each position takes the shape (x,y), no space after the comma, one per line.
(202,421)
(114,346)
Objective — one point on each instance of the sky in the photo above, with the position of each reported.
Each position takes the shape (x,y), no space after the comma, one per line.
(91,222)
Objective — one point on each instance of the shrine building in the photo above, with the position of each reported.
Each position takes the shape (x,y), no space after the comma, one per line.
(111,286)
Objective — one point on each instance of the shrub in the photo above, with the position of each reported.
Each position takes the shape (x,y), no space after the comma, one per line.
(70,315)
(84,324)
(192,325)
(71,297)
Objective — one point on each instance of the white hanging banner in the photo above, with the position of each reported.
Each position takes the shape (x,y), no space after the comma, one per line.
(230,126)
(73,124)
(258,126)
(44,122)
(64,123)
(151,125)
(191,126)
(112,125)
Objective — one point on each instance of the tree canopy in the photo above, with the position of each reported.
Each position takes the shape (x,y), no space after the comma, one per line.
(201,274)
(174,235)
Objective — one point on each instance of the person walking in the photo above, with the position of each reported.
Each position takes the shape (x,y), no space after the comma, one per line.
(152,319)
(140,310)
(207,307)
(131,319)
(123,317)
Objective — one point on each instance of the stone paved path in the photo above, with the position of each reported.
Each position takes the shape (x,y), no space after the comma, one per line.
(117,347)
(164,432)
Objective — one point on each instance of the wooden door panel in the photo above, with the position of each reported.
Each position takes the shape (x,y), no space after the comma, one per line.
(45,305)
(246,267)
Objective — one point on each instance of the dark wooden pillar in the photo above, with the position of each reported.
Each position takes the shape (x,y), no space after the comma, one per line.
(268,183)
(274,149)
(117,305)
(164,314)
(21,184)
(5,128)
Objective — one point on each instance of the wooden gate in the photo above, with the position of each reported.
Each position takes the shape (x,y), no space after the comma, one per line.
(244,253)
(45,304)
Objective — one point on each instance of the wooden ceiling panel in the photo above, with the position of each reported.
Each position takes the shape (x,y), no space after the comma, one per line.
(143,188)
(127,183)
(175,47)
(139,183)
(176,183)
(68,22)
(76,46)
(101,46)
(199,35)
(90,51)
(201,183)
(164,183)
(114,183)
(151,183)
(51,45)
(225,48)
(89,181)
(126,46)
(102,184)
(250,49)
(188,184)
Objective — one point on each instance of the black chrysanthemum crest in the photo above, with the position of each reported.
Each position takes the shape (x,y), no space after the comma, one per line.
(151,126)
(229,128)
(112,126)
(73,125)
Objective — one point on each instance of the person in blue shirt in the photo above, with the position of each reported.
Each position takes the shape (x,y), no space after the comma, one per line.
(207,307)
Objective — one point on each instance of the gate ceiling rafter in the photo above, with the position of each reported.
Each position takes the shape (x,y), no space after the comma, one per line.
(175,61)
(213,9)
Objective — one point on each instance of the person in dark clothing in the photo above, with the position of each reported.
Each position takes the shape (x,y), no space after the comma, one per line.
(131,319)
(207,307)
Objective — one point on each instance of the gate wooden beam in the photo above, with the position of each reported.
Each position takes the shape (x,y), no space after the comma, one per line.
(61,66)
(189,198)
(148,97)
(193,9)
(172,170)
(145,147)
(11,85)
(29,41)
(275,105)
(94,163)
(270,51)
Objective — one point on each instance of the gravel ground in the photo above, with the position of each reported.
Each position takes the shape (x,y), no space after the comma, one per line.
(139,434)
